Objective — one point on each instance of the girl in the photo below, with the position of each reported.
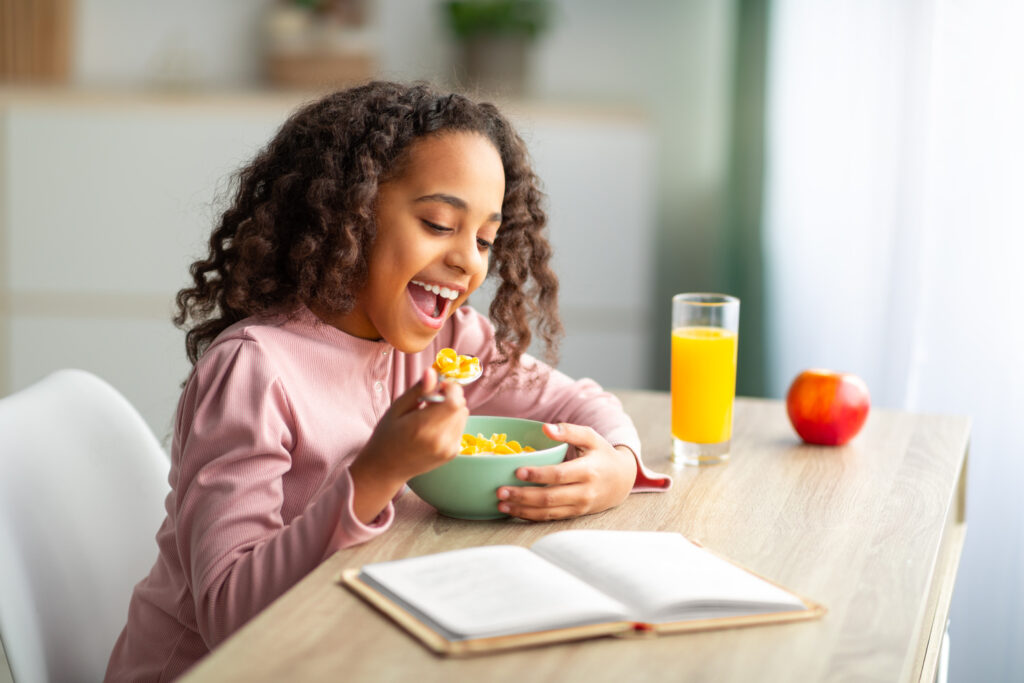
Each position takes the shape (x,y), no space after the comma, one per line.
(341,268)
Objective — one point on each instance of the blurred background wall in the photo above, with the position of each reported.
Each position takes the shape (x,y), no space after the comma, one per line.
(850,169)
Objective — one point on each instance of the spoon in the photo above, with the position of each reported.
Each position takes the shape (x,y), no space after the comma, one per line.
(478,370)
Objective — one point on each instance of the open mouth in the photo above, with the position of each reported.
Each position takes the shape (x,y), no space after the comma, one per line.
(433,301)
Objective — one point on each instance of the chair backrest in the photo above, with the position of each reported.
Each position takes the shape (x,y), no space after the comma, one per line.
(82,485)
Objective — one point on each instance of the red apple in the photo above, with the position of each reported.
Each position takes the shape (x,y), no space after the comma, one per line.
(827,407)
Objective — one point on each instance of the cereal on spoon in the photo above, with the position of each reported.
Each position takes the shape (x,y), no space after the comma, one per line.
(452,365)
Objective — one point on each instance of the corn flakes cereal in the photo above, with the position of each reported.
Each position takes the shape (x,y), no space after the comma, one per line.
(497,444)
(455,366)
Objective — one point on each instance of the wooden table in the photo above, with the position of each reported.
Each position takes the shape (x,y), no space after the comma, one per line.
(872,530)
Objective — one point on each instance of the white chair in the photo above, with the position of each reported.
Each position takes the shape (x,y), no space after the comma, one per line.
(82,485)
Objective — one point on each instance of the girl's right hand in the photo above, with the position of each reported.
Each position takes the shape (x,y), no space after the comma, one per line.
(410,439)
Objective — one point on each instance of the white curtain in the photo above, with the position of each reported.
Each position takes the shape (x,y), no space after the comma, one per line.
(894,231)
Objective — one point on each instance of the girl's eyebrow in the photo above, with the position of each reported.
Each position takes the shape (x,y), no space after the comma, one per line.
(457,202)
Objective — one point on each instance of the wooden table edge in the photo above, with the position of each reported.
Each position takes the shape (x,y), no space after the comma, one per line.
(940,596)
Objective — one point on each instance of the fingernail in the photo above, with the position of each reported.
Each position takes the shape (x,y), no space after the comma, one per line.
(555,429)
(523,473)
(503,507)
(502,494)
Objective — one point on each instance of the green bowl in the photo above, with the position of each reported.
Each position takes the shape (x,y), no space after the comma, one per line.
(466,486)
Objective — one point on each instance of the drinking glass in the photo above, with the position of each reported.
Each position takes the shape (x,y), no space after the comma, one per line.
(705,332)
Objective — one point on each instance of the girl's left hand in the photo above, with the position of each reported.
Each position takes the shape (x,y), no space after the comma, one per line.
(601,477)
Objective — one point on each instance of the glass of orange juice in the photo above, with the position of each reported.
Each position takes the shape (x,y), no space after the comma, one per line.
(705,332)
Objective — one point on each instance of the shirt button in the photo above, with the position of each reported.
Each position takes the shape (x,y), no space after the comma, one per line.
(384,352)
(378,387)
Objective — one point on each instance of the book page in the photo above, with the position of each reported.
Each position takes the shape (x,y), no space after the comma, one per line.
(490,591)
(662,576)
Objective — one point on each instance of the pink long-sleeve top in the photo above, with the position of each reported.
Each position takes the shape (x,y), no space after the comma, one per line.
(267,425)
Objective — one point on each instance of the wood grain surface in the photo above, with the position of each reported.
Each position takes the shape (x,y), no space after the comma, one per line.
(872,530)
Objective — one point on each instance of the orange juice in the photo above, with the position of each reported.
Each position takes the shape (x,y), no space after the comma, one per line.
(703,383)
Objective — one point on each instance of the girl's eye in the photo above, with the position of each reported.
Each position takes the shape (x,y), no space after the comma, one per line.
(435,227)
(481,243)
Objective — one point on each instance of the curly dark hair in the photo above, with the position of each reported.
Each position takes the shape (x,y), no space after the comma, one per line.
(301,222)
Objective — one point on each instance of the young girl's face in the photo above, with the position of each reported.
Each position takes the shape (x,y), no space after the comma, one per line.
(436,222)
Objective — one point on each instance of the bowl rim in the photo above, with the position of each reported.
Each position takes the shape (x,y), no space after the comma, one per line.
(507,456)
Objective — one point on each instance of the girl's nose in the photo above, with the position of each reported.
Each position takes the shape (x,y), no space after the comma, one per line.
(465,255)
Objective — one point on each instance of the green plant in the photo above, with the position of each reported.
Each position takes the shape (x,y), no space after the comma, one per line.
(472,18)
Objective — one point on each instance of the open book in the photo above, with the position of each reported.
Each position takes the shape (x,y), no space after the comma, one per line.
(570,585)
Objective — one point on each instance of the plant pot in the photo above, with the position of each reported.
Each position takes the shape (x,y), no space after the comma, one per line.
(319,70)
(495,64)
